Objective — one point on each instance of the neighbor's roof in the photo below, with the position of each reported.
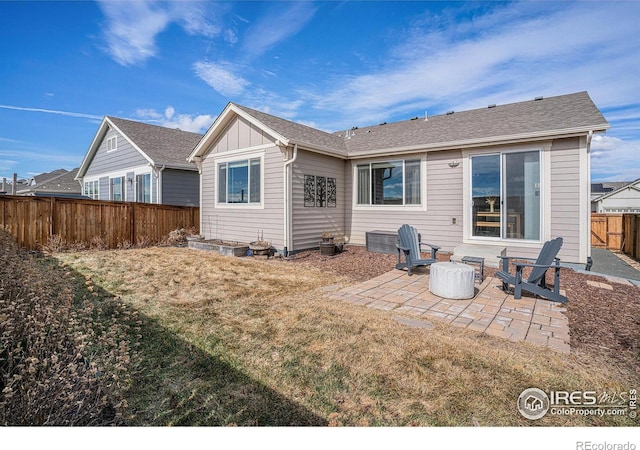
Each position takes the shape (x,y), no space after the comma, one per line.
(607,186)
(64,183)
(40,178)
(542,118)
(160,145)
(628,186)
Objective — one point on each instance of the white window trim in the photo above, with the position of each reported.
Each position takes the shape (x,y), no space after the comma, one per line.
(239,156)
(138,170)
(124,188)
(114,147)
(406,208)
(135,186)
(545,193)
(96,189)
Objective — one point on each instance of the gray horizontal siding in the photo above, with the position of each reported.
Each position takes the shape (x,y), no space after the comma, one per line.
(310,222)
(444,202)
(565,196)
(124,157)
(244,224)
(180,187)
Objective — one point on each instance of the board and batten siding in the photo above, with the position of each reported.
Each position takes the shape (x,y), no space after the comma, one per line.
(180,187)
(566,207)
(443,202)
(240,223)
(310,222)
(121,159)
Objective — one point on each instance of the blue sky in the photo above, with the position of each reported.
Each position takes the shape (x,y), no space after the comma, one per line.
(328,64)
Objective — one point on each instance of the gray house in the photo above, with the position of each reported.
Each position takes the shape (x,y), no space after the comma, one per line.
(498,179)
(624,199)
(137,162)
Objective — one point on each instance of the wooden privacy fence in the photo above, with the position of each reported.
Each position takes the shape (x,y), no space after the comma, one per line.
(606,231)
(631,240)
(33,220)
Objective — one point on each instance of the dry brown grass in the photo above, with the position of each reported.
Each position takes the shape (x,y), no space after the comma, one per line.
(63,359)
(253,342)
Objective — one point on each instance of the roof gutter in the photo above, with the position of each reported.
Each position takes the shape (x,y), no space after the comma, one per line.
(288,203)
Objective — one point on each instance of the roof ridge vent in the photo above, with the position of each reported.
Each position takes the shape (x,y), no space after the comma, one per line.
(450,112)
(538,98)
(493,105)
(383,123)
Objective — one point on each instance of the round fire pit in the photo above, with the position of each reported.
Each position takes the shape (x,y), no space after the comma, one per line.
(260,248)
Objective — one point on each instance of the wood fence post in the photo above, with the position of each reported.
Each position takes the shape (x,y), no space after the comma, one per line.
(52,217)
(132,222)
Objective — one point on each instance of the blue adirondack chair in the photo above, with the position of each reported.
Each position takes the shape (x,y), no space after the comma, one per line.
(409,245)
(535,283)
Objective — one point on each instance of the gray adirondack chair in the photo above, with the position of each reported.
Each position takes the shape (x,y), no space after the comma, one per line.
(535,283)
(409,245)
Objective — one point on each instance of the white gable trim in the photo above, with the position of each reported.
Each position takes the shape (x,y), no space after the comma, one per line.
(97,141)
(220,125)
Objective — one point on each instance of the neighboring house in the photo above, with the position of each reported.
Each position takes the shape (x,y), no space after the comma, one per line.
(599,189)
(503,178)
(63,184)
(137,162)
(624,199)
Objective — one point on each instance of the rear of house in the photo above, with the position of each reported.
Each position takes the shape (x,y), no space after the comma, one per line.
(505,178)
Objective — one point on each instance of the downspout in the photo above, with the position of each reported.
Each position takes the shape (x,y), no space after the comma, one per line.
(158,173)
(288,204)
(588,233)
(198,161)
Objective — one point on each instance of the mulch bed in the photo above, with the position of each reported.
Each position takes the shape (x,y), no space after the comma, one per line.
(603,323)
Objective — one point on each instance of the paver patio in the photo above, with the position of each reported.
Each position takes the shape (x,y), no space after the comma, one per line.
(491,310)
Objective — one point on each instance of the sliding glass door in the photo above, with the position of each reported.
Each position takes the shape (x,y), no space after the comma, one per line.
(505,195)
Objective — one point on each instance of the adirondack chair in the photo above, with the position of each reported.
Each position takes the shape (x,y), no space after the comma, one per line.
(535,283)
(409,245)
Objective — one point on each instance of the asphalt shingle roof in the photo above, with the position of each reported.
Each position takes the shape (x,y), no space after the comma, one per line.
(547,115)
(299,133)
(163,145)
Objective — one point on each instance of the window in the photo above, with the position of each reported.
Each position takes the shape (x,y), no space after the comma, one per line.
(389,183)
(143,188)
(505,195)
(116,191)
(320,191)
(112,143)
(239,181)
(91,189)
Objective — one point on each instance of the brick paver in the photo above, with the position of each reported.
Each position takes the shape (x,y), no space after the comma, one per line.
(490,311)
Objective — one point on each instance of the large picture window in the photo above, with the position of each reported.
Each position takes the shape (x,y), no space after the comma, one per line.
(239,181)
(389,183)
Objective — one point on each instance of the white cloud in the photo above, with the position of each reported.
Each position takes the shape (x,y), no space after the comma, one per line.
(53,111)
(131,27)
(284,20)
(196,123)
(222,77)
(537,50)
(614,159)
